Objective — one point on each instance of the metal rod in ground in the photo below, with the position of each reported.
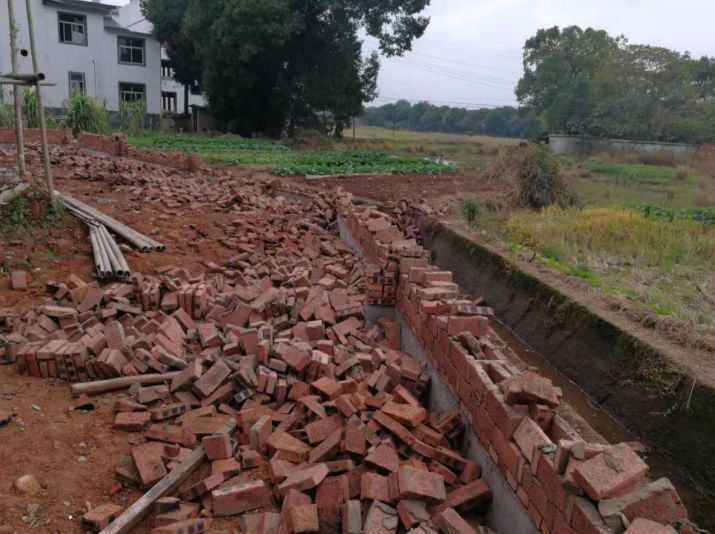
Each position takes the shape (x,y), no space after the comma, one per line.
(126,271)
(16,91)
(40,107)
(140,241)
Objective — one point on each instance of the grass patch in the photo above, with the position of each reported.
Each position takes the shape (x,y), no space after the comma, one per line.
(233,150)
(665,263)
(29,216)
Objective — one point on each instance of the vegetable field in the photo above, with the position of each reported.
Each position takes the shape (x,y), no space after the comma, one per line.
(285,161)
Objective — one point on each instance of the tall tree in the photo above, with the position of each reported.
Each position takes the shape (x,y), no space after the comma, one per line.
(167,17)
(587,82)
(272,66)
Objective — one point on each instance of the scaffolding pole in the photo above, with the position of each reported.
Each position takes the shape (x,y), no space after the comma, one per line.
(16,91)
(40,107)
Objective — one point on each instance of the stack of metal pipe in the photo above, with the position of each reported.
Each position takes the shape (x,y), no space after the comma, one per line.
(108,258)
(140,241)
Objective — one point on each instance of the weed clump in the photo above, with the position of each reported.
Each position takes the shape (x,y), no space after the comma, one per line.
(540,182)
(85,115)
(470,210)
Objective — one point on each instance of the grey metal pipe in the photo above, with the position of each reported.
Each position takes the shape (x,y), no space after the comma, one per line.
(140,241)
(25,77)
(104,269)
(113,260)
(126,271)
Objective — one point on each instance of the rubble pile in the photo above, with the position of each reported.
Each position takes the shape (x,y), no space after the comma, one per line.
(293,395)
(293,413)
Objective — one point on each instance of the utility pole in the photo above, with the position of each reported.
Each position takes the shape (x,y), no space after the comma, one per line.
(16,91)
(40,107)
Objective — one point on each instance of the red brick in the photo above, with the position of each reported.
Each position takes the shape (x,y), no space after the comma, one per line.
(450,522)
(211,379)
(188,526)
(609,472)
(302,518)
(241,498)
(100,517)
(414,483)
(217,447)
(645,526)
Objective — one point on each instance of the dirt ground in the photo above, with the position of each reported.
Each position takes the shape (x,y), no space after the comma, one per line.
(74,454)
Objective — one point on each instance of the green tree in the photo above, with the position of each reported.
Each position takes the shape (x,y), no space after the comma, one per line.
(272,66)
(587,82)
(167,16)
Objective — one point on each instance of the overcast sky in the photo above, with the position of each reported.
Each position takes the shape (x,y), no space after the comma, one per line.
(470,55)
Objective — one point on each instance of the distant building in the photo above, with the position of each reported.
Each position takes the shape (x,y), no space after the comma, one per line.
(103,50)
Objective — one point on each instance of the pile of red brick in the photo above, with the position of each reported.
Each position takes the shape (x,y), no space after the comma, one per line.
(296,399)
(567,484)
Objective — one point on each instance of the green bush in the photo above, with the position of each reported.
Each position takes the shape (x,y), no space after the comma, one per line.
(133,115)
(30,108)
(540,182)
(86,115)
(7,114)
(470,210)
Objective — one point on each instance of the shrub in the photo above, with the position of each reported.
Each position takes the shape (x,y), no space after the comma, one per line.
(540,182)
(30,108)
(7,115)
(133,115)
(84,114)
(682,173)
(470,210)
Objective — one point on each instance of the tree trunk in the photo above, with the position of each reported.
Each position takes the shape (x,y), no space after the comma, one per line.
(186,99)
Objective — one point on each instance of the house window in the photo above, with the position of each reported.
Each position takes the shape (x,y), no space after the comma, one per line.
(77,82)
(131,92)
(168,102)
(131,50)
(73,28)
(167,71)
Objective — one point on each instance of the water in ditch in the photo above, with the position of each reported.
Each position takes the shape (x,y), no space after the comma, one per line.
(700,504)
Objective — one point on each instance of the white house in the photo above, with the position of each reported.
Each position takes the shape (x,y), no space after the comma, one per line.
(104,50)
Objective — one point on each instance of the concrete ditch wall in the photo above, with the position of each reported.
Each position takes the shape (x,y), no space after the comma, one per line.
(625,375)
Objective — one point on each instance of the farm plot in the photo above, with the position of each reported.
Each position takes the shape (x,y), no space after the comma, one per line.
(285,161)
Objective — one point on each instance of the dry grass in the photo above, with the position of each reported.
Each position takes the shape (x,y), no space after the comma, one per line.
(667,266)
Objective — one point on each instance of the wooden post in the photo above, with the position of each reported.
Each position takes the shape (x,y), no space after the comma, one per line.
(114,384)
(40,109)
(137,511)
(16,91)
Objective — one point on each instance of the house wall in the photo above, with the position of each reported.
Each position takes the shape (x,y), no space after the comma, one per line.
(98,60)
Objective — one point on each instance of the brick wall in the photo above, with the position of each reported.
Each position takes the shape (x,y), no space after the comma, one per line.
(707,152)
(33,135)
(117,145)
(555,473)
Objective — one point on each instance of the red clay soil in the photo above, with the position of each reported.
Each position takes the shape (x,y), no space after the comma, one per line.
(48,442)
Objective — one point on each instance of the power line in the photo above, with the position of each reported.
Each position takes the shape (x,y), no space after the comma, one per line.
(392,99)
(465,63)
(457,72)
(462,78)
